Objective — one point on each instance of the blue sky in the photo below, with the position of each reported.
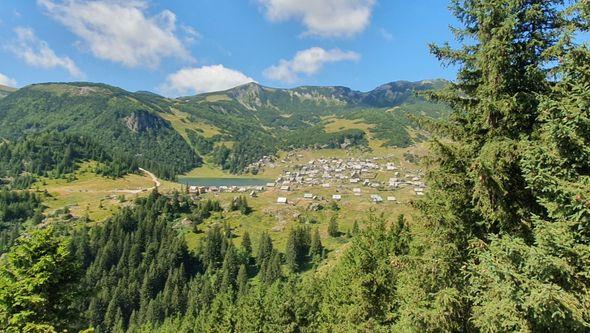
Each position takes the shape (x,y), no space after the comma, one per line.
(182,47)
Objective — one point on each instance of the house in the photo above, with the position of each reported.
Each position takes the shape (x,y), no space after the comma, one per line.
(337,197)
(308,196)
(270,184)
(282,200)
(326,185)
(285,188)
(253,194)
(356,191)
(391,199)
(376,198)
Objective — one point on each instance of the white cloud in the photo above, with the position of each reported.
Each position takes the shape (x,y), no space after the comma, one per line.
(37,53)
(203,79)
(307,62)
(326,18)
(6,81)
(120,30)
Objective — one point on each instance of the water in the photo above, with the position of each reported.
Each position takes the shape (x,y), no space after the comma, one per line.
(197,181)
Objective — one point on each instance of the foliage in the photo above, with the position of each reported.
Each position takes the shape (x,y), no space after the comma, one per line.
(38,284)
(17,209)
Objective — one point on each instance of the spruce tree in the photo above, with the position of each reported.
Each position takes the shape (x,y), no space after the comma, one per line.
(333,227)
(242,280)
(316,248)
(479,187)
(247,244)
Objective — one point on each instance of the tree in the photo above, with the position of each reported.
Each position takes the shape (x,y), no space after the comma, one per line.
(38,284)
(273,269)
(316,249)
(480,190)
(242,280)
(333,227)
(265,249)
(247,244)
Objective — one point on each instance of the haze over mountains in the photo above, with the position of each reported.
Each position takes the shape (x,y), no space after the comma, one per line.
(234,127)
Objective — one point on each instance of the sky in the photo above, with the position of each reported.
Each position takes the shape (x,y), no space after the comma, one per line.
(184,47)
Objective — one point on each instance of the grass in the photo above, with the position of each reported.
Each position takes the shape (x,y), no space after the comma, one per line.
(334,125)
(93,195)
(217,98)
(181,122)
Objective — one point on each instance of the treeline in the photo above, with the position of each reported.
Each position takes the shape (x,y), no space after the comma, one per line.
(54,154)
(316,137)
(17,209)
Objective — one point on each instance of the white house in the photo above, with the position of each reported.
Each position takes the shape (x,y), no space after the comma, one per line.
(281,200)
(337,197)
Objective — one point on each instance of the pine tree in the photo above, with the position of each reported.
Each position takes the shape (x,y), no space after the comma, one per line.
(247,244)
(291,252)
(273,270)
(242,280)
(265,249)
(479,188)
(333,227)
(38,283)
(316,248)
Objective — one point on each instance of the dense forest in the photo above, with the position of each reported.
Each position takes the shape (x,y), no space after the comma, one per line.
(501,242)
(54,154)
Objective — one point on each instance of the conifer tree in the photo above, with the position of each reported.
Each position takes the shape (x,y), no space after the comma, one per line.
(265,249)
(247,244)
(38,284)
(242,280)
(316,248)
(333,227)
(479,187)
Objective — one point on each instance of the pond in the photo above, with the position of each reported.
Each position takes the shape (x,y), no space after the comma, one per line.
(198,181)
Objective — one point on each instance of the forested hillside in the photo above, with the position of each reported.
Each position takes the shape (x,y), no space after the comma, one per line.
(123,123)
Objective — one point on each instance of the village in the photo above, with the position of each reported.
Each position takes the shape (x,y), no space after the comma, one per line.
(331,179)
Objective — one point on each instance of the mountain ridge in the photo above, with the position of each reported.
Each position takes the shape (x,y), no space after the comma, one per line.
(234,127)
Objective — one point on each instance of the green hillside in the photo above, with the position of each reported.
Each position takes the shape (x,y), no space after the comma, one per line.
(232,129)
(124,123)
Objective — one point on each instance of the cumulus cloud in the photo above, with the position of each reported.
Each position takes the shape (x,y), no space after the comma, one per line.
(6,81)
(36,52)
(120,30)
(203,79)
(307,62)
(326,18)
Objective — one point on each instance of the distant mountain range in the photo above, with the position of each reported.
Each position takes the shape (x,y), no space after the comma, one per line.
(232,128)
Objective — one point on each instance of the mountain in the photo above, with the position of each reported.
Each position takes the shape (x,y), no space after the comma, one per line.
(232,128)
(124,123)
(5,90)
